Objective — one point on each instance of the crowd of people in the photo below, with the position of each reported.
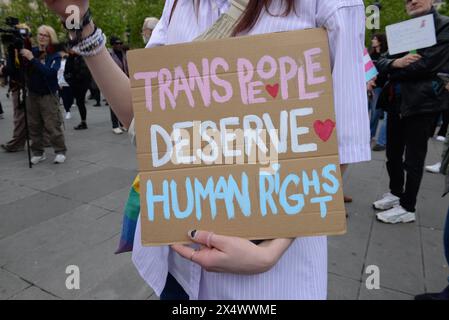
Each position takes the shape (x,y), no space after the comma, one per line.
(52,74)
(413,101)
(407,95)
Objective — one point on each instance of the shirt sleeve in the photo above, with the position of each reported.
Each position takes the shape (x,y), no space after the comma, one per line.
(160,32)
(48,71)
(345,24)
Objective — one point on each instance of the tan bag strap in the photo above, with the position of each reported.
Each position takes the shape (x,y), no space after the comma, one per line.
(224,26)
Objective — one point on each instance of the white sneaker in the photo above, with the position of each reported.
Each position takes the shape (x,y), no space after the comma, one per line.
(36,159)
(68,116)
(441,138)
(435,168)
(396,215)
(117,131)
(388,201)
(59,159)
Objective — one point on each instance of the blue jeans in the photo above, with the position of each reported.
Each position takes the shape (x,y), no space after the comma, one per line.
(382,139)
(173,290)
(374,113)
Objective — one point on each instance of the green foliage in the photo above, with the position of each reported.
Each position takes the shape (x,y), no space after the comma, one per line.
(445,8)
(392,11)
(137,14)
(34,18)
(123,18)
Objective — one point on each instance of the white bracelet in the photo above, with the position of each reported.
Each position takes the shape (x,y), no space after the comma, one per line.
(92,45)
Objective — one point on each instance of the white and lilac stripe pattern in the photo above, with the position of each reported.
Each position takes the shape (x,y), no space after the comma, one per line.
(302,271)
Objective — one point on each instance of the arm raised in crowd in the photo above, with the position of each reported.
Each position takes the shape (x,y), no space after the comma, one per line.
(111,80)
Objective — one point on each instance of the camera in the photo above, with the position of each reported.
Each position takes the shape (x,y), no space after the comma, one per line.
(14,36)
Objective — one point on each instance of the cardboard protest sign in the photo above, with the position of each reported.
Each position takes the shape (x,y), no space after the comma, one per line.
(237,136)
(411,35)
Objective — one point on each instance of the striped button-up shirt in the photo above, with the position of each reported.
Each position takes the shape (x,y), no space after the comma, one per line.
(301,273)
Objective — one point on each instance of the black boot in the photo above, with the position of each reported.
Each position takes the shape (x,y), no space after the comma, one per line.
(81,126)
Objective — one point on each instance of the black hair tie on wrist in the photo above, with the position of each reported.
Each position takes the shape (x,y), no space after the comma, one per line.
(87,19)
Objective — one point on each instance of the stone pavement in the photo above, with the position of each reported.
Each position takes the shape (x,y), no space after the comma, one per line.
(53,216)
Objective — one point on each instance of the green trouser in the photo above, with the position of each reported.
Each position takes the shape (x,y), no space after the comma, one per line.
(44,116)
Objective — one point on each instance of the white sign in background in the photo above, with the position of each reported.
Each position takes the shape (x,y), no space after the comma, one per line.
(413,34)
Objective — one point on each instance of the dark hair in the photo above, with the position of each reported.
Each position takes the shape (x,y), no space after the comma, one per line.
(382,38)
(251,14)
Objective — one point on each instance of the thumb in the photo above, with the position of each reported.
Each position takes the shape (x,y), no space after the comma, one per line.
(207,238)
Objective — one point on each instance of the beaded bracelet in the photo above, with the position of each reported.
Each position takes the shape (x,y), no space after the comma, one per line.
(92,45)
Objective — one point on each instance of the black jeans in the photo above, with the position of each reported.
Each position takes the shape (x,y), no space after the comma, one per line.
(67,98)
(96,95)
(79,92)
(407,140)
(443,129)
(115,122)
(173,290)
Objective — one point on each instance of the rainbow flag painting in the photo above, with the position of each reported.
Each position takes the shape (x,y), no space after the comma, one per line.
(130,216)
(370,68)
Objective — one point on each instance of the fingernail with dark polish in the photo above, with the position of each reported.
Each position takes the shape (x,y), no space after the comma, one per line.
(192,234)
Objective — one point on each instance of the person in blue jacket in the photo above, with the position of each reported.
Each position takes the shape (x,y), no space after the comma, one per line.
(42,67)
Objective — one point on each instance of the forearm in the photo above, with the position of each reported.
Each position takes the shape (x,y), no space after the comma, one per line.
(113,83)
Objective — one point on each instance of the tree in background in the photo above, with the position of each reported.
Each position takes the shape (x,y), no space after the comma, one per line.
(445,8)
(33,13)
(137,14)
(123,18)
(392,11)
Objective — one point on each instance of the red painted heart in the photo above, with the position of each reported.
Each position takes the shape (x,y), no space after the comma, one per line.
(272,90)
(324,129)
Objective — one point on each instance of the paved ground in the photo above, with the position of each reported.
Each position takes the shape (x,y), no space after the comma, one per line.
(55,216)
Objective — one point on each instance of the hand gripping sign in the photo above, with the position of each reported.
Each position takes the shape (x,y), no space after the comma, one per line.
(238,137)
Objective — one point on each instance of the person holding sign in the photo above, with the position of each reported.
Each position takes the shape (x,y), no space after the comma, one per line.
(414,97)
(229,267)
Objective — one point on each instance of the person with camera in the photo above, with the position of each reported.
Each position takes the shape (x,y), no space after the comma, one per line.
(15,80)
(42,103)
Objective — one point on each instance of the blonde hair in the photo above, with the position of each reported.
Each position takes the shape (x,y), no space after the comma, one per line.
(23,26)
(150,23)
(51,32)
